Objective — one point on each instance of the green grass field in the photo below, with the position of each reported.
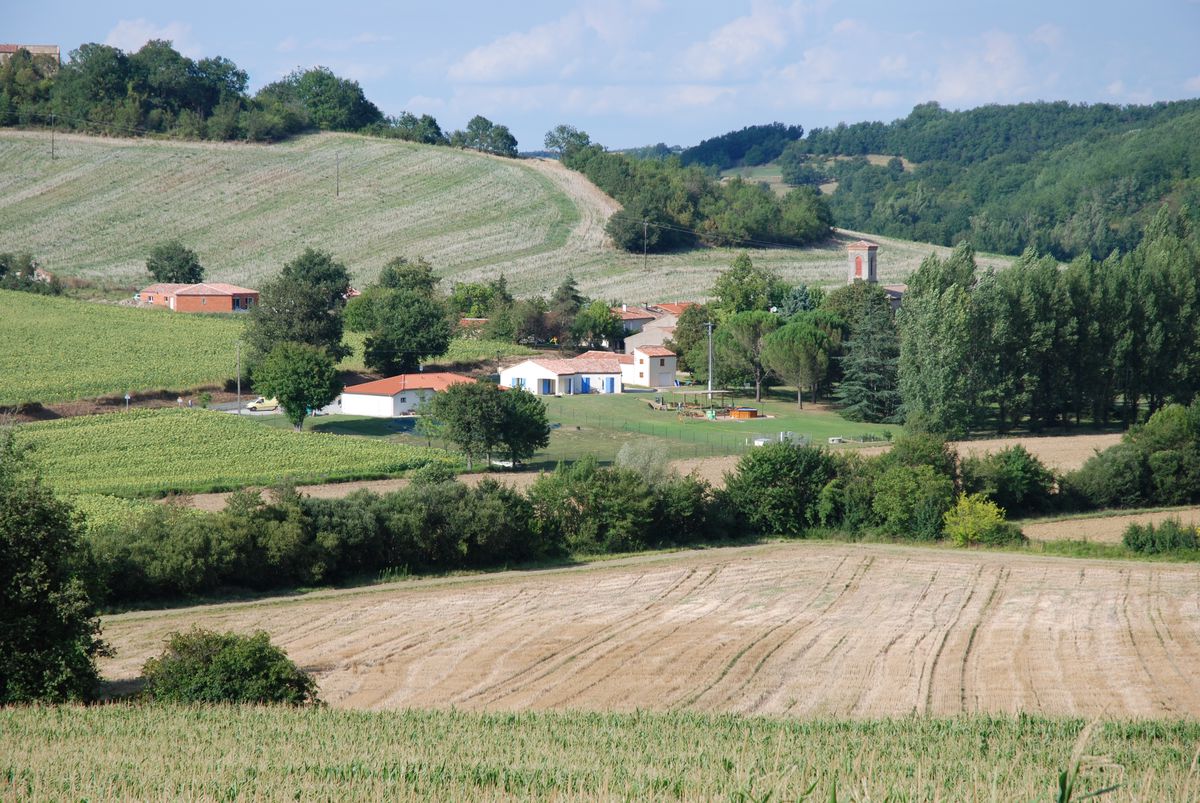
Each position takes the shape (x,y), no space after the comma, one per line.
(55,349)
(96,210)
(124,752)
(153,452)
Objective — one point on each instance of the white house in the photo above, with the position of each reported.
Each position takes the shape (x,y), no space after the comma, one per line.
(634,319)
(651,367)
(564,377)
(396,395)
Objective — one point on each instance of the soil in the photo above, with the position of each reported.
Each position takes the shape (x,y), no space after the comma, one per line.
(798,629)
(1103,529)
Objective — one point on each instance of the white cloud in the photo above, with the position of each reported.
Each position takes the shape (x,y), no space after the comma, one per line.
(1192,84)
(288,45)
(516,54)
(130,35)
(1048,35)
(741,43)
(993,69)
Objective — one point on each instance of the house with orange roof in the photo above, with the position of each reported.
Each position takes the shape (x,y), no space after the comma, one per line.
(600,372)
(397,395)
(201,297)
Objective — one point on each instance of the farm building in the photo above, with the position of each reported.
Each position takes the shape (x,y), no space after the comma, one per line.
(202,297)
(565,377)
(396,395)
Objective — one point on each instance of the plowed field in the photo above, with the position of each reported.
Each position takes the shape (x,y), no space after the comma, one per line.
(796,629)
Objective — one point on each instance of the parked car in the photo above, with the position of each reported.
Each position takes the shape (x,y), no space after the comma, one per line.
(262,405)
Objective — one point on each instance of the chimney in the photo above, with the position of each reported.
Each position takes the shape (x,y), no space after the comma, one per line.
(624,308)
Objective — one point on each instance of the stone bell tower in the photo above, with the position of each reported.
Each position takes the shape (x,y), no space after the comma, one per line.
(861,262)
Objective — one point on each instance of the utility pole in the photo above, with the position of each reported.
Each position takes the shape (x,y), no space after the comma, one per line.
(52,137)
(239,377)
(709,326)
(645,236)
(337,187)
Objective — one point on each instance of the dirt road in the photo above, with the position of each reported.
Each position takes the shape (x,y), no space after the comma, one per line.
(802,629)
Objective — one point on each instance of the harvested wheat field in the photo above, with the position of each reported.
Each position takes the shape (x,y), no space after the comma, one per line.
(1103,529)
(799,629)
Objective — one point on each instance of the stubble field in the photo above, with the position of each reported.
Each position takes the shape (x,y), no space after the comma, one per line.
(96,210)
(800,629)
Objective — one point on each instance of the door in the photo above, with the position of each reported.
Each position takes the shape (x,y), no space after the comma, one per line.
(585,384)
(610,384)
(546,388)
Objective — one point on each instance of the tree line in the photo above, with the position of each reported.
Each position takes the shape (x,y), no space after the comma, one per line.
(157,90)
(1064,179)
(752,145)
(669,206)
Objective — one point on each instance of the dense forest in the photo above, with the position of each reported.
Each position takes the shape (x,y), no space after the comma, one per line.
(159,91)
(752,145)
(668,205)
(1063,179)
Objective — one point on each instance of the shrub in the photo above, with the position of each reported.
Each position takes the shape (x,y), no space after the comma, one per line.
(911,502)
(1117,477)
(593,509)
(1013,478)
(686,510)
(1168,536)
(776,488)
(202,666)
(922,449)
(975,519)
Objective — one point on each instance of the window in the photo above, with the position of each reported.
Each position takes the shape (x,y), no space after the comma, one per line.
(641,374)
(204,301)
(403,399)
(662,360)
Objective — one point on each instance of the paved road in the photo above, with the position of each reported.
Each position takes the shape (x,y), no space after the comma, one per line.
(232,407)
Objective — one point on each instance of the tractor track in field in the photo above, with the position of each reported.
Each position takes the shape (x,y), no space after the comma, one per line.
(809,628)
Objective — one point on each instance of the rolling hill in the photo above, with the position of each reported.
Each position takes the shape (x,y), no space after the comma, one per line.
(97,208)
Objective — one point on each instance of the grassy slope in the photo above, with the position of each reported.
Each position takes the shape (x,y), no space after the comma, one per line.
(149,452)
(130,752)
(246,209)
(52,349)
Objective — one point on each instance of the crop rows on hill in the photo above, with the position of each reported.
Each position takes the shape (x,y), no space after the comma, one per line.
(153,452)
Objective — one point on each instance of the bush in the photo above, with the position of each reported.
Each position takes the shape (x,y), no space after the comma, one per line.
(1013,478)
(1117,477)
(922,449)
(1169,536)
(202,666)
(975,519)
(777,488)
(593,509)
(911,502)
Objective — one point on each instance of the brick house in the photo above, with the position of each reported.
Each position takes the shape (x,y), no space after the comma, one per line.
(202,297)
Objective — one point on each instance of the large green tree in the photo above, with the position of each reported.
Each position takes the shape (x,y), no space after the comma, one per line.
(472,416)
(525,428)
(798,353)
(301,377)
(49,633)
(869,390)
(302,305)
(563,139)
(744,288)
(739,344)
(171,261)
(407,327)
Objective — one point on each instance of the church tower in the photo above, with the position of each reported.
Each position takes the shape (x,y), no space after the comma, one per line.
(862,265)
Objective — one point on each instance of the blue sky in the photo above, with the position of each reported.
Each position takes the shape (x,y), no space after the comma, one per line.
(633,72)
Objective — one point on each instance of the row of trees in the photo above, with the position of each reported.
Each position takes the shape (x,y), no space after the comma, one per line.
(159,90)
(667,206)
(1042,346)
(752,145)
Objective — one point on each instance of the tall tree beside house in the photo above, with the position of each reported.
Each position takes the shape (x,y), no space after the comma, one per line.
(525,428)
(49,633)
(472,416)
(407,329)
(690,339)
(172,262)
(596,324)
(302,305)
(798,353)
(744,288)
(740,341)
(301,377)
(868,390)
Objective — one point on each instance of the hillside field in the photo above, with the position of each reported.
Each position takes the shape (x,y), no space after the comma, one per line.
(56,349)
(96,210)
(120,752)
(154,452)
(799,629)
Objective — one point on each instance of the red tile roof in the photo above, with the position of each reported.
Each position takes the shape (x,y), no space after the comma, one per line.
(435,381)
(578,366)
(624,359)
(675,307)
(855,246)
(214,289)
(655,351)
(634,314)
(162,288)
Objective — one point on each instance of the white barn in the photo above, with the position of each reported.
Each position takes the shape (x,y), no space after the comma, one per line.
(564,377)
(396,395)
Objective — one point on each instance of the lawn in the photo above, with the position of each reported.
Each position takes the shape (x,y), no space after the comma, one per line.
(154,452)
(58,349)
(124,752)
